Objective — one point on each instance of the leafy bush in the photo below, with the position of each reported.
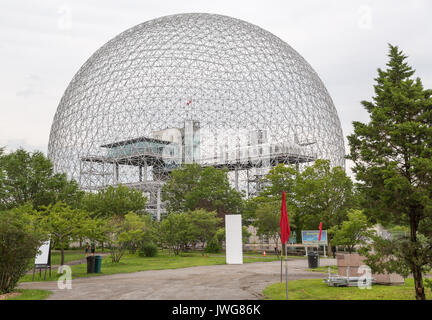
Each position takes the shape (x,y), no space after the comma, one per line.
(128,232)
(213,246)
(351,232)
(180,231)
(148,250)
(20,238)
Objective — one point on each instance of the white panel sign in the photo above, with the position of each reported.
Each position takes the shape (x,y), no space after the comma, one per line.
(42,257)
(233,239)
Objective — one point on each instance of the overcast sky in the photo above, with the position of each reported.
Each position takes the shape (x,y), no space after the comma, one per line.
(44,43)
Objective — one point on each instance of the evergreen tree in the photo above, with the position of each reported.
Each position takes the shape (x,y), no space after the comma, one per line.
(393,163)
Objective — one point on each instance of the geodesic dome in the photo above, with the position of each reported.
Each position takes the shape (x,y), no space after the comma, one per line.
(189,88)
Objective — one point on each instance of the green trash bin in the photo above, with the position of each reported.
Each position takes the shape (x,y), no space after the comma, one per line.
(98,264)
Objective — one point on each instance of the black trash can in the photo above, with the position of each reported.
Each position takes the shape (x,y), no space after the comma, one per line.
(313,259)
(90,264)
(98,264)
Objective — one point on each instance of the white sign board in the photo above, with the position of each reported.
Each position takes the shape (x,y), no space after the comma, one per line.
(43,255)
(233,239)
(312,236)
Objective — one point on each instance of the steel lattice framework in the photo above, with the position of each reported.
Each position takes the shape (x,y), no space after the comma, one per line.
(188,88)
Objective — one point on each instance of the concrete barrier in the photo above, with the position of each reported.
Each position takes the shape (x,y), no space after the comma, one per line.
(354,261)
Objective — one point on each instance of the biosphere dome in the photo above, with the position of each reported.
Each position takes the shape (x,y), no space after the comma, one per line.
(185,88)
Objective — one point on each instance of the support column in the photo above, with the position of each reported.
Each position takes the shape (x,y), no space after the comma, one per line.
(144,174)
(104,175)
(116,173)
(247,178)
(81,172)
(158,205)
(236,179)
(140,173)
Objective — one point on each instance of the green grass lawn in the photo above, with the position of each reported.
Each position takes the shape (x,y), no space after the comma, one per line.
(134,263)
(70,255)
(316,289)
(30,294)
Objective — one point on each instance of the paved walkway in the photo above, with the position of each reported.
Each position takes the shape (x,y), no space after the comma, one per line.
(219,282)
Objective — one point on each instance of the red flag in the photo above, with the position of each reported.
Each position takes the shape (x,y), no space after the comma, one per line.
(284,222)
(320,229)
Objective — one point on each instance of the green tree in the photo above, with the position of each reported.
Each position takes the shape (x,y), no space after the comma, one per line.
(114,201)
(29,177)
(116,238)
(96,230)
(64,224)
(193,187)
(319,193)
(220,235)
(175,232)
(393,161)
(126,232)
(203,225)
(267,221)
(137,230)
(280,178)
(352,232)
(322,194)
(20,238)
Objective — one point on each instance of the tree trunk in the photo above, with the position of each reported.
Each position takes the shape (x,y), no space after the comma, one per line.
(416,270)
(418,282)
(62,256)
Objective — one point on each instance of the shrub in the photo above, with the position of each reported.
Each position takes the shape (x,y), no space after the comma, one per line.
(148,250)
(213,246)
(20,238)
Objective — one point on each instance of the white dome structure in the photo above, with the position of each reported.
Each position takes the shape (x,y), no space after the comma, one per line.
(188,88)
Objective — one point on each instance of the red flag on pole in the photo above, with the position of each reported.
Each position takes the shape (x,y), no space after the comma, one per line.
(284,222)
(320,229)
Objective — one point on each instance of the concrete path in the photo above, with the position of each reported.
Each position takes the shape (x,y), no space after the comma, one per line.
(219,282)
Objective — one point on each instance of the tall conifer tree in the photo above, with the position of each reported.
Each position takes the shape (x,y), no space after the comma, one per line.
(393,163)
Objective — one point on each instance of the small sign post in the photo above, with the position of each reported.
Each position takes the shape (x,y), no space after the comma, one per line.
(43,259)
(311,237)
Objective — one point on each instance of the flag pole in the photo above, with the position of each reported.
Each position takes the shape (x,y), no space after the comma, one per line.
(285,233)
(281,259)
(286,269)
